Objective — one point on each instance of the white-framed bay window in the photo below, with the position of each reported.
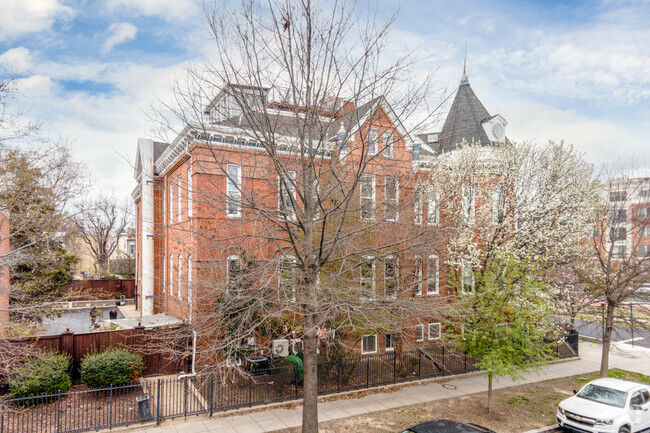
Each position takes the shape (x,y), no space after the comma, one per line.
(233,191)
(417,271)
(369,344)
(367,277)
(367,193)
(419,332)
(434,331)
(391,189)
(433,284)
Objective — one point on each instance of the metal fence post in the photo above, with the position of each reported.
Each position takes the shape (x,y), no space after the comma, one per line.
(2,420)
(465,363)
(158,404)
(250,391)
(419,364)
(58,411)
(394,367)
(110,408)
(185,397)
(367,372)
(211,394)
(443,360)
(338,376)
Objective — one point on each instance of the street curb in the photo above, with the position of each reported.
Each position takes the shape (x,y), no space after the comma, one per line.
(549,429)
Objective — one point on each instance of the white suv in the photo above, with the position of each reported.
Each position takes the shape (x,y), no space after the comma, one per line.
(607,406)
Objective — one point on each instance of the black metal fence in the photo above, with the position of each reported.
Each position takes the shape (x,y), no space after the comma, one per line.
(160,399)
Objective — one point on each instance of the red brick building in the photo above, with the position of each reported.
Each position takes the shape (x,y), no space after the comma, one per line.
(192,229)
(5,249)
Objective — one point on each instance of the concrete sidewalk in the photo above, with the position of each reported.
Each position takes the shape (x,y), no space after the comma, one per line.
(623,356)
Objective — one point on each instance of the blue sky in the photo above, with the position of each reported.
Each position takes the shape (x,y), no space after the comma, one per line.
(572,70)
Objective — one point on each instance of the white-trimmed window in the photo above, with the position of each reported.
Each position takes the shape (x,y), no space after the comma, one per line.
(387,138)
(643,250)
(367,277)
(391,273)
(233,269)
(617,195)
(233,191)
(643,213)
(391,341)
(644,231)
(618,251)
(287,195)
(165,277)
(391,186)
(367,187)
(417,270)
(419,332)
(189,192)
(179,190)
(170,278)
(189,280)
(418,204)
(433,213)
(468,203)
(467,278)
(286,280)
(171,202)
(372,141)
(369,344)
(618,234)
(433,287)
(498,205)
(434,331)
(180,276)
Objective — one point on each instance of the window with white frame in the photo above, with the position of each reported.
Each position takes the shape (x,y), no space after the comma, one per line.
(498,205)
(367,277)
(432,276)
(468,203)
(189,280)
(387,138)
(618,251)
(189,192)
(644,231)
(180,276)
(372,141)
(643,213)
(417,269)
(618,234)
(286,280)
(467,278)
(617,216)
(233,272)
(171,202)
(369,344)
(179,190)
(617,195)
(433,213)
(434,331)
(367,186)
(419,333)
(233,191)
(391,341)
(417,204)
(390,276)
(165,278)
(643,250)
(392,198)
(287,194)
(171,275)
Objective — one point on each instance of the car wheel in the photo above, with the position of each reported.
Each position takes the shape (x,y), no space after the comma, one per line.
(624,429)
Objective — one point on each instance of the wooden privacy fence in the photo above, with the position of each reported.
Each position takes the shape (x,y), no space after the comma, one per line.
(137,340)
(101,289)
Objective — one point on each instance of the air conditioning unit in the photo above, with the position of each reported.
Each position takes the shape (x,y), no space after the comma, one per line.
(296,346)
(233,362)
(281,347)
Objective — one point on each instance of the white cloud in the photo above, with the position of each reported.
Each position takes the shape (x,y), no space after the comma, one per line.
(36,86)
(16,60)
(19,17)
(168,9)
(120,32)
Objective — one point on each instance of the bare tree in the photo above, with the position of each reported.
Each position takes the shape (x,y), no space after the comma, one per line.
(311,237)
(619,261)
(100,223)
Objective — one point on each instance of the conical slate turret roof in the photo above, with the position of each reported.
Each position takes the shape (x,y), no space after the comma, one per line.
(464,120)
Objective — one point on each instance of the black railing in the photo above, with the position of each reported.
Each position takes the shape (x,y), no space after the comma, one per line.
(160,399)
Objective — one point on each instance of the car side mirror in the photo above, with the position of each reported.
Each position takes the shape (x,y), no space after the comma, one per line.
(575,391)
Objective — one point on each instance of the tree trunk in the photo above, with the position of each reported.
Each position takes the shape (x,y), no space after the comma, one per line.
(607,338)
(310,382)
(489,393)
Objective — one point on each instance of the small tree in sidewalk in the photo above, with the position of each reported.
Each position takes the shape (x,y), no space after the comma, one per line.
(504,319)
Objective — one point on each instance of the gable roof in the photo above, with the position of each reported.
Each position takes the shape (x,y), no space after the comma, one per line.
(464,121)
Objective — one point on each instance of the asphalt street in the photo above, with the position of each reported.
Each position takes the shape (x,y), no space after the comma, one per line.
(622,334)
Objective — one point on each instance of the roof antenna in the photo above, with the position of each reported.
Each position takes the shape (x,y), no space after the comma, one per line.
(463,78)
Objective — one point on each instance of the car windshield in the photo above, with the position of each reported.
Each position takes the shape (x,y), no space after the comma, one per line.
(602,394)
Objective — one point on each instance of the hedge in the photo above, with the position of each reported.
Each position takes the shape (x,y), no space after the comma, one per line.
(112,367)
(44,375)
